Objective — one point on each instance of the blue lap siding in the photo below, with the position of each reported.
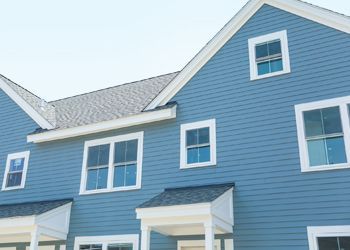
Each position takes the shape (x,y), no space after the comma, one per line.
(256,145)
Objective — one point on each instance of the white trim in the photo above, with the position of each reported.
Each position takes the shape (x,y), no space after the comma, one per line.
(229,244)
(112,141)
(342,103)
(106,240)
(283,37)
(325,231)
(212,141)
(300,8)
(14,156)
(37,117)
(143,118)
(196,243)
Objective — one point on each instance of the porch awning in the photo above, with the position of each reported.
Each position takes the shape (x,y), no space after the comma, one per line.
(35,221)
(186,210)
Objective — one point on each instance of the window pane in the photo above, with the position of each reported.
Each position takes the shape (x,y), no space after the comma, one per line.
(263,68)
(98,155)
(317,152)
(192,155)
(130,175)
(97,179)
(203,135)
(276,65)
(331,120)
(120,247)
(261,50)
(131,152)
(313,123)
(204,154)
(14,180)
(119,152)
(16,164)
(328,243)
(91,247)
(275,48)
(192,137)
(336,150)
(344,243)
(119,176)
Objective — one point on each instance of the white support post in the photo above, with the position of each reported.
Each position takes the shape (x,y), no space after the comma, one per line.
(34,242)
(145,238)
(209,236)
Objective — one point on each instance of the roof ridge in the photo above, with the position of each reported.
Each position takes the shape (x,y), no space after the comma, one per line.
(120,85)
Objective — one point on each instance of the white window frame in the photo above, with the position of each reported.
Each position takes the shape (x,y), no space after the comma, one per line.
(325,231)
(112,141)
(281,35)
(342,103)
(212,140)
(14,156)
(106,240)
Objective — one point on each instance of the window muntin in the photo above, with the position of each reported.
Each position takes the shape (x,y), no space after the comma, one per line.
(336,243)
(112,164)
(324,134)
(97,165)
(119,247)
(269,55)
(15,171)
(198,144)
(91,247)
(125,163)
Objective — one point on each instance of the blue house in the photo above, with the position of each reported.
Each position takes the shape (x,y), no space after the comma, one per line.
(246,148)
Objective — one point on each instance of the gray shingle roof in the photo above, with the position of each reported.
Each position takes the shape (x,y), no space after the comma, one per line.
(109,104)
(42,107)
(30,208)
(187,195)
(98,106)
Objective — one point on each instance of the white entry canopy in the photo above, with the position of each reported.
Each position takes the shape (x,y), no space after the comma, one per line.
(35,221)
(182,211)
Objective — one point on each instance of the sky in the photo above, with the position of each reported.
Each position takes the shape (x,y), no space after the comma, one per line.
(61,48)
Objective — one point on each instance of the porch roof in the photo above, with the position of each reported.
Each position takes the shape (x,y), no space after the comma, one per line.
(30,208)
(187,195)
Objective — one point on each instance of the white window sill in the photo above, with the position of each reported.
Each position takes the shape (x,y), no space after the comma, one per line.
(199,165)
(325,168)
(12,188)
(102,191)
(278,73)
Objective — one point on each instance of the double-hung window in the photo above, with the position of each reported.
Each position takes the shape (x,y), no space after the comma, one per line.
(269,55)
(112,164)
(198,144)
(329,238)
(323,134)
(114,242)
(15,171)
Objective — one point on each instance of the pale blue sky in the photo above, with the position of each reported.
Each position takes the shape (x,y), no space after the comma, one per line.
(66,47)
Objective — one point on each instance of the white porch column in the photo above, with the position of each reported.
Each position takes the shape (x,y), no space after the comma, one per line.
(34,242)
(209,236)
(145,237)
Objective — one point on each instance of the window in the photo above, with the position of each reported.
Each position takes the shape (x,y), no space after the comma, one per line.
(114,242)
(198,144)
(269,55)
(112,164)
(323,134)
(326,238)
(15,171)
